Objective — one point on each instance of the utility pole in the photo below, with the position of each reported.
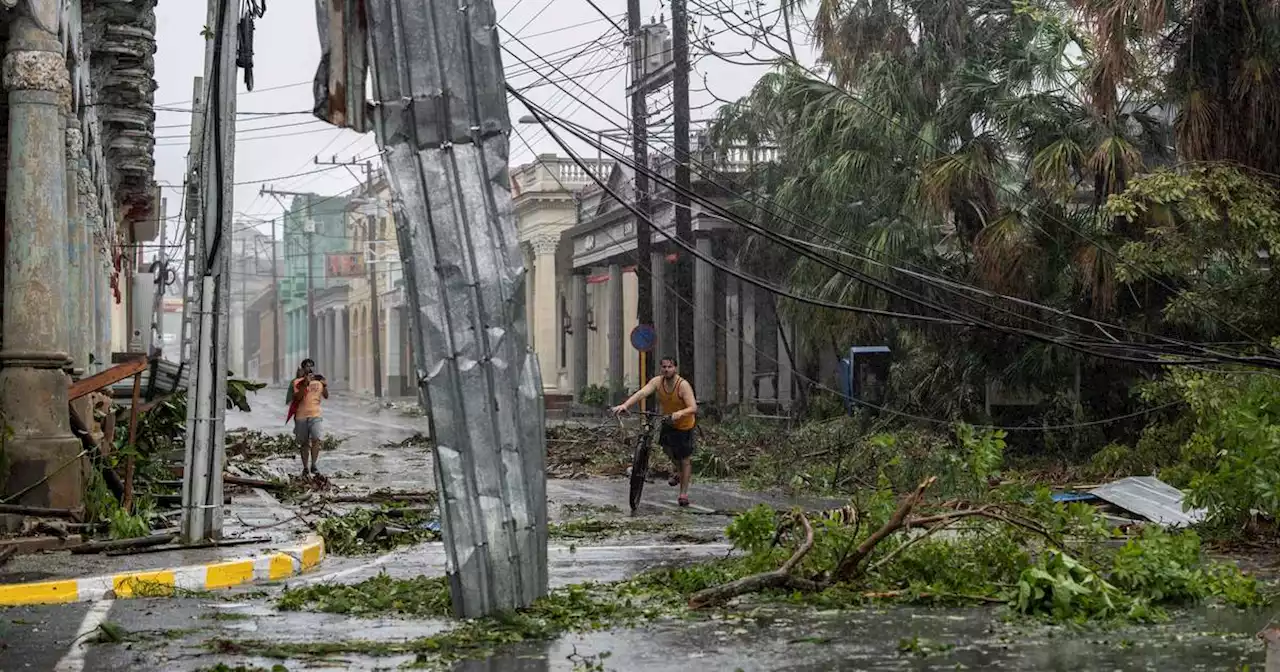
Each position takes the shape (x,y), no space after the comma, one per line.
(308,227)
(275,307)
(206,407)
(683,215)
(370,222)
(640,154)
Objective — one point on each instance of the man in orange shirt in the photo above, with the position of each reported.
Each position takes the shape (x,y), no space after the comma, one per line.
(308,389)
(675,398)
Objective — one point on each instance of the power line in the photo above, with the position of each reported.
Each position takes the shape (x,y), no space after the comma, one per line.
(856,274)
(998,185)
(705,315)
(965,321)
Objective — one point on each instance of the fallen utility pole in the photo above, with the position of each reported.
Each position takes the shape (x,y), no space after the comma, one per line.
(440,114)
(215,156)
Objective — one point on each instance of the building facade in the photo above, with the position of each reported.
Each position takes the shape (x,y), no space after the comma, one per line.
(742,349)
(79,197)
(546,195)
(314,227)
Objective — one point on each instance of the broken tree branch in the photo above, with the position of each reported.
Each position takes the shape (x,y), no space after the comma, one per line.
(750,584)
(850,568)
(911,542)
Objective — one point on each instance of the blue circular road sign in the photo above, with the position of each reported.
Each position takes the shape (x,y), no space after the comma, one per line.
(643,337)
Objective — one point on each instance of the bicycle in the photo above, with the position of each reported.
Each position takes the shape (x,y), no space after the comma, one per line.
(640,458)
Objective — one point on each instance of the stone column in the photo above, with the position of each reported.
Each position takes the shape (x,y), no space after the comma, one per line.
(664,345)
(546,310)
(785,336)
(749,347)
(733,341)
(343,353)
(578,344)
(391,354)
(704,329)
(615,335)
(33,383)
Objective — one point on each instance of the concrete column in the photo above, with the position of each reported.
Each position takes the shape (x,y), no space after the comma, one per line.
(578,344)
(33,383)
(331,342)
(749,347)
(76,251)
(665,345)
(615,335)
(785,335)
(546,310)
(343,359)
(704,328)
(733,341)
(391,354)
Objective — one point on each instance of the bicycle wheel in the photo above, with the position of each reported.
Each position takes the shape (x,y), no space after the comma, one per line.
(639,470)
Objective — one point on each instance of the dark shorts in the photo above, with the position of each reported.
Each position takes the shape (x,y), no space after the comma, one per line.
(677,443)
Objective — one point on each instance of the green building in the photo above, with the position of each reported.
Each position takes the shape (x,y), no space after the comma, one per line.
(314,227)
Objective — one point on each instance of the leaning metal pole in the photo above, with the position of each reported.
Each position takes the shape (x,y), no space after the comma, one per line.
(440,114)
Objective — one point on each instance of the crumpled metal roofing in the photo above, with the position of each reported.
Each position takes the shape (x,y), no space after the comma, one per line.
(440,113)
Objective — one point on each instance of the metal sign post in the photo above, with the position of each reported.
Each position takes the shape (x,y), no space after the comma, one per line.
(643,338)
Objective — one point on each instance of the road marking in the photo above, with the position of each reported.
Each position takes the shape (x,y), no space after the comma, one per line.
(73,661)
(349,571)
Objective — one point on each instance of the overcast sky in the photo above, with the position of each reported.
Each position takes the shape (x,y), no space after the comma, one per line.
(286,52)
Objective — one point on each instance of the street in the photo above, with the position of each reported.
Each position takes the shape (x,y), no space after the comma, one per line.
(191,632)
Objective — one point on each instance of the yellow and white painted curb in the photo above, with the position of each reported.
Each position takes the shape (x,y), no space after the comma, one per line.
(280,564)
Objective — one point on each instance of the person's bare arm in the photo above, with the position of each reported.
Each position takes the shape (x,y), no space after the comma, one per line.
(645,391)
(690,402)
(324,388)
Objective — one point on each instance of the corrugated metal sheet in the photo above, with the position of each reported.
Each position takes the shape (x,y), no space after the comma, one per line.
(441,118)
(339,85)
(1150,498)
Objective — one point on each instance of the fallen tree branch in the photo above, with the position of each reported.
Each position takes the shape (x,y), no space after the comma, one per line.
(778,578)
(911,542)
(850,567)
(892,594)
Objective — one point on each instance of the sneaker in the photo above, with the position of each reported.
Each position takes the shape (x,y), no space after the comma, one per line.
(673,481)
(683,500)
(314,470)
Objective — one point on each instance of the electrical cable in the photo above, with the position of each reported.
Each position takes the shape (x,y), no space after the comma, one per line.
(996,184)
(704,315)
(694,252)
(968,298)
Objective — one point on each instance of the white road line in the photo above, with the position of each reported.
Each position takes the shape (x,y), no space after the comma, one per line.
(73,661)
(349,571)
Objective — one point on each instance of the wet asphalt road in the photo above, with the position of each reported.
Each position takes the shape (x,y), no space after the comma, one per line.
(170,634)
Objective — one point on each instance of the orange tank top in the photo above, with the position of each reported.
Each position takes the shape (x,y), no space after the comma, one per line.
(669,401)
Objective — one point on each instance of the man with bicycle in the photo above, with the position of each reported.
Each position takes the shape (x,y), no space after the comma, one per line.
(679,406)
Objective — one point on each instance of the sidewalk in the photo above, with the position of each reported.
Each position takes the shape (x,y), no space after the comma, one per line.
(282,547)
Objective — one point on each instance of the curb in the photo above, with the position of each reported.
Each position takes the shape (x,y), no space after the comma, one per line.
(276,565)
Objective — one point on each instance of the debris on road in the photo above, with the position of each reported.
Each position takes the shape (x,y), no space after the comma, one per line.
(1150,498)
(368,531)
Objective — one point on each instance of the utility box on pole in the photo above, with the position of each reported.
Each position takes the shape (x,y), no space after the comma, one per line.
(440,114)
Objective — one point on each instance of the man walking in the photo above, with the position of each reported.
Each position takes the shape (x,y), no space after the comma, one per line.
(679,406)
(308,389)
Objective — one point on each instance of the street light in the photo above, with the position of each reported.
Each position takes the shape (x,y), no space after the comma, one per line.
(600,136)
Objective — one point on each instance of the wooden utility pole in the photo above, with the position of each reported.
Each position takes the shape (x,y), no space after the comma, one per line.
(309,229)
(683,215)
(276,353)
(370,225)
(640,152)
